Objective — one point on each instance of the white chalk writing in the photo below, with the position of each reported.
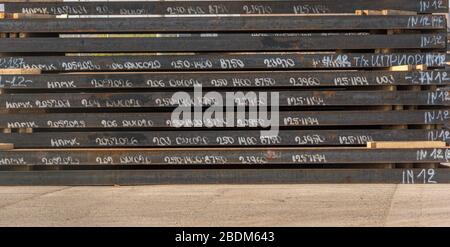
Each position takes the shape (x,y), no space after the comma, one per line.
(58,142)
(309,158)
(425,176)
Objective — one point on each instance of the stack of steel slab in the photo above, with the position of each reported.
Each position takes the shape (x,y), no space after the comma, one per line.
(359,91)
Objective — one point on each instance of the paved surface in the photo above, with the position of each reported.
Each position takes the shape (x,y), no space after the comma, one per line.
(227,205)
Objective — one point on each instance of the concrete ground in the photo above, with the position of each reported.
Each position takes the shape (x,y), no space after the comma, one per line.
(227,205)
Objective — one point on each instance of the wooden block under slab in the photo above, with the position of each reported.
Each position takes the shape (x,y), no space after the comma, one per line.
(20,71)
(25,16)
(384,12)
(6,146)
(398,12)
(420,67)
(410,144)
(5,130)
(368,12)
(25,130)
(31,16)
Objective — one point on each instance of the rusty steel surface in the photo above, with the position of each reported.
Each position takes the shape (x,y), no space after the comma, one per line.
(164,120)
(225,80)
(225,43)
(225,176)
(222,7)
(218,138)
(221,61)
(208,157)
(225,24)
(245,98)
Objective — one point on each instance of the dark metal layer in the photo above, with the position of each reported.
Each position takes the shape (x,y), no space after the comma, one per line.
(221,156)
(209,138)
(228,80)
(225,43)
(223,7)
(272,61)
(225,176)
(219,99)
(154,120)
(225,24)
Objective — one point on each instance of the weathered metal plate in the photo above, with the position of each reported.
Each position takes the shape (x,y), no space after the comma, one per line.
(223,7)
(234,62)
(164,120)
(218,138)
(221,99)
(209,157)
(226,43)
(288,23)
(225,176)
(225,80)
